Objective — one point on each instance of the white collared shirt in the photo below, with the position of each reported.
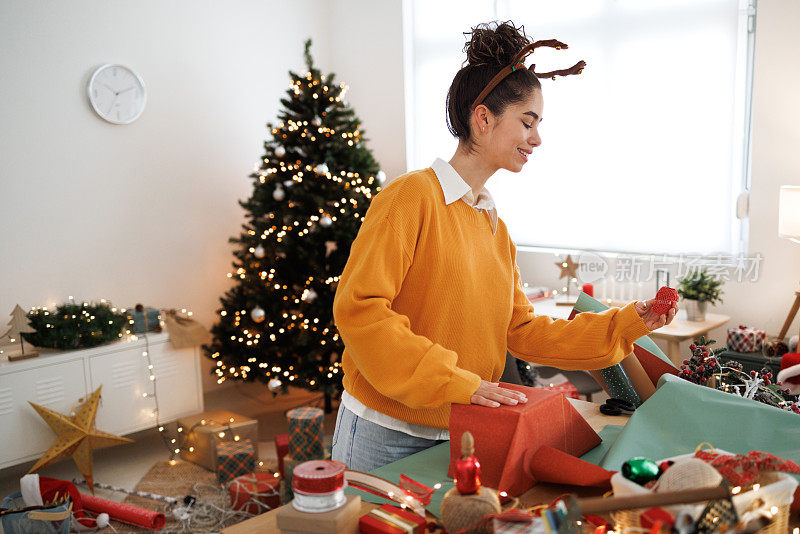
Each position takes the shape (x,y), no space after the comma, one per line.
(454,188)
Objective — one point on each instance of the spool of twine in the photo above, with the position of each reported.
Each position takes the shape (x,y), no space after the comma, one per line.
(464,511)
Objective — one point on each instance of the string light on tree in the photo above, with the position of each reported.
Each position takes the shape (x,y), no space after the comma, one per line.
(311,191)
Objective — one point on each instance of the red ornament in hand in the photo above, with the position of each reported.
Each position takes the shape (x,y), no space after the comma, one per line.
(665,298)
(468,468)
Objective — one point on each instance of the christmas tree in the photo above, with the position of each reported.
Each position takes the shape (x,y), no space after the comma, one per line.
(311,190)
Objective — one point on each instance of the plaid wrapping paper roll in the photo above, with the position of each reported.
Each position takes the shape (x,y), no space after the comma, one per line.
(305,434)
(235,458)
(744,339)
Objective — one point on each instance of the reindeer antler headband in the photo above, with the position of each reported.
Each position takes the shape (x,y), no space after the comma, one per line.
(519,63)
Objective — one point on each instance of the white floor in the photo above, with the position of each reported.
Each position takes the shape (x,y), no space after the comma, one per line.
(124,465)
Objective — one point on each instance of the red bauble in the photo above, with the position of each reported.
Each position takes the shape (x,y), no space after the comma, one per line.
(665,298)
(468,475)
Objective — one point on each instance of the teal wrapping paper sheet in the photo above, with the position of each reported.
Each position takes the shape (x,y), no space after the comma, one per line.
(428,467)
(682,415)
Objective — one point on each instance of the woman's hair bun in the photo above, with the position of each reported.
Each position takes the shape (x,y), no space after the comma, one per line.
(494,43)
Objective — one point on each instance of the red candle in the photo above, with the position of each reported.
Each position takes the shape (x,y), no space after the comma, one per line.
(468,468)
(588,289)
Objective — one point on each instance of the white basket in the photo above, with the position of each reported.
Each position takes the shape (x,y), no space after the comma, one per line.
(777,489)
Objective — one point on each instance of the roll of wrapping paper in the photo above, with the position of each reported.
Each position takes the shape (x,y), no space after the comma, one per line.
(305,434)
(619,385)
(124,513)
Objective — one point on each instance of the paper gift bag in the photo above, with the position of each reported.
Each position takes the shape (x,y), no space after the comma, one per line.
(507,437)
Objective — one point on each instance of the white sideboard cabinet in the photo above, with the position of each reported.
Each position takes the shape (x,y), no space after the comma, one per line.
(57,380)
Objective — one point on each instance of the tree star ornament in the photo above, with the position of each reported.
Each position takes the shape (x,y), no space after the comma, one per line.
(568,268)
(76,436)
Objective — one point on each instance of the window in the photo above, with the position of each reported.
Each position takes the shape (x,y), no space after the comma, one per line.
(645,152)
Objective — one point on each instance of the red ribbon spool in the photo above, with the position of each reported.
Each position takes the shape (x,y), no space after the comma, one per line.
(318,477)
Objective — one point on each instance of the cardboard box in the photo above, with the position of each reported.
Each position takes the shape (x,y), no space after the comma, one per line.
(343,520)
(204,438)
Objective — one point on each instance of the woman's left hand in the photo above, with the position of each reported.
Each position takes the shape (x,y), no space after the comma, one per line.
(652,320)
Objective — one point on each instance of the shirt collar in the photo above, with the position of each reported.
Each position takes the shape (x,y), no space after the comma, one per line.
(455,188)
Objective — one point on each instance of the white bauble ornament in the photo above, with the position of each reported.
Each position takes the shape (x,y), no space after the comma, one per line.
(381,176)
(288,183)
(258,314)
(259,252)
(280,151)
(317,121)
(321,169)
(278,194)
(325,221)
(310,295)
(274,384)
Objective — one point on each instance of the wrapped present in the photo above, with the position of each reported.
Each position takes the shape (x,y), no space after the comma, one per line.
(255,493)
(507,436)
(390,519)
(305,434)
(744,339)
(202,434)
(235,458)
(282,447)
(565,387)
(536,525)
(144,319)
(343,520)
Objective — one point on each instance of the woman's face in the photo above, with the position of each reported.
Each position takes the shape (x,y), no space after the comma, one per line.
(508,139)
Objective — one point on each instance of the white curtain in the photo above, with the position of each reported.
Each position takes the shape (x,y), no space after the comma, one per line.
(644,152)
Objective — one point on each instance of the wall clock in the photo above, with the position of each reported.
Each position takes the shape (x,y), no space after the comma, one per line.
(117,93)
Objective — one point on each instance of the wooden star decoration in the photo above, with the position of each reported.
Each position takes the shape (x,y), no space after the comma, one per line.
(76,436)
(568,268)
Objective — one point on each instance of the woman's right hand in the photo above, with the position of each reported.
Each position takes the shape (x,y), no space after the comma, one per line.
(492,395)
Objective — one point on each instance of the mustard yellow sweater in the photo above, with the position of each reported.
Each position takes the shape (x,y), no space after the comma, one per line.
(430,300)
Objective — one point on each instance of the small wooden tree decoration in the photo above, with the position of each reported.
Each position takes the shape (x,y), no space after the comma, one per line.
(19,325)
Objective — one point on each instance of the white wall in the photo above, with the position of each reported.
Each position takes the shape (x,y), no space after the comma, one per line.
(142,213)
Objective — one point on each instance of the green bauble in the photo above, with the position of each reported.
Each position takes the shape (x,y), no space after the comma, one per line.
(640,470)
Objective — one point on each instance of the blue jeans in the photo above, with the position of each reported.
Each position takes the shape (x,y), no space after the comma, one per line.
(363,445)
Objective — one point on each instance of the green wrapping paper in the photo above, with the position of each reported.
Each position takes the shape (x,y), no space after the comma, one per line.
(619,385)
(681,415)
(305,434)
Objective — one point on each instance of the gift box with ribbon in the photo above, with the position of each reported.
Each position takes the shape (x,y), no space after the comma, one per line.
(745,339)
(203,431)
(255,493)
(390,519)
(235,458)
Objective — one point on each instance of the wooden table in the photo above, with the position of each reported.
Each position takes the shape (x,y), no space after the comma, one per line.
(681,329)
(539,494)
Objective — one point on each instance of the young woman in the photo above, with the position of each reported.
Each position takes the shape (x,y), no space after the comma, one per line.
(431,298)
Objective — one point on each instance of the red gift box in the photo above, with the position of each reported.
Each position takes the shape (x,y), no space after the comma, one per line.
(282,446)
(566,388)
(255,493)
(507,437)
(390,519)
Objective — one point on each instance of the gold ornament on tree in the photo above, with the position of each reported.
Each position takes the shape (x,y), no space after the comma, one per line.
(19,325)
(76,436)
